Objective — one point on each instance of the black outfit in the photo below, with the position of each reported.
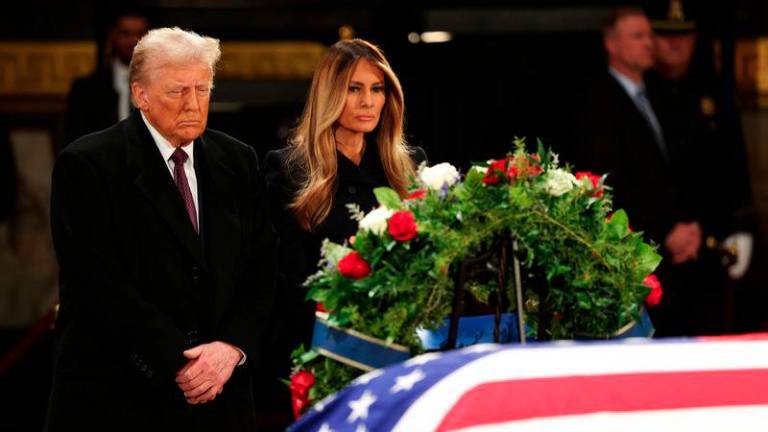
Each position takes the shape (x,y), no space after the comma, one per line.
(300,249)
(712,158)
(710,146)
(92,105)
(138,286)
(657,189)
(613,137)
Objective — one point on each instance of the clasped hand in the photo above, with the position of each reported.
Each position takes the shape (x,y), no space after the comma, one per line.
(684,241)
(210,366)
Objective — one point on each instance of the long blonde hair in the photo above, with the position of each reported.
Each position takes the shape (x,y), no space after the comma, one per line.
(312,148)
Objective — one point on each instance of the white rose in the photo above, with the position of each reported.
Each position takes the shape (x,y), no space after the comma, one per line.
(376,220)
(439,176)
(559,182)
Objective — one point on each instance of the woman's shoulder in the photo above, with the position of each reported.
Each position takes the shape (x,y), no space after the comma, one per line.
(275,159)
(418,155)
(277,168)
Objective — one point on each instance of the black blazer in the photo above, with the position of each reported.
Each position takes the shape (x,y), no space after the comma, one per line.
(91,105)
(300,249)
(138,286)
(613,137)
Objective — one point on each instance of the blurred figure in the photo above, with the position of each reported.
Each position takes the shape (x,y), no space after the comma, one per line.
(103,98)
(619,133)
(688,96)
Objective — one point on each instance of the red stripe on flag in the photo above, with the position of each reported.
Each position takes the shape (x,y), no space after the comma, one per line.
(511,400)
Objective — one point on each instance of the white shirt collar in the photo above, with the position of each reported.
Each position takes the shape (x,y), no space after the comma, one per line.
(165,147)
(632,88)
(119,74)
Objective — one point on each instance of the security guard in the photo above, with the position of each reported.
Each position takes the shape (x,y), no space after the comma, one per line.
(713,247)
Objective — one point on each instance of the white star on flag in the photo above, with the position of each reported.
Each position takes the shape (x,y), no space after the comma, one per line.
(361,428)
(422,359)
(325,428)
(406,382)
(365,379)
(360,406)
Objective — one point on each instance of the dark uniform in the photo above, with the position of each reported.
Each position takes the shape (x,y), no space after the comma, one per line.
(705,147)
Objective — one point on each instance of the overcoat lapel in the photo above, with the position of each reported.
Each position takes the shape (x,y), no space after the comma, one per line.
(220,225)
(155,182)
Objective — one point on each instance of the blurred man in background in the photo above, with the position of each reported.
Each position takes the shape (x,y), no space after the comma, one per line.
(620,132)
(102,98)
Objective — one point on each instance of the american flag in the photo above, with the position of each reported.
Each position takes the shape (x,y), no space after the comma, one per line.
(704,384)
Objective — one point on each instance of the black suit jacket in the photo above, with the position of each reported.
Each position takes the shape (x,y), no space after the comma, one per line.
(138,286)
(613,137)
(91,105)
(300,249)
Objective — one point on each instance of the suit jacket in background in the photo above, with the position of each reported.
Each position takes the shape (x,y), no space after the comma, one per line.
(138,286)
(708,141)
(91,105)
(612,136)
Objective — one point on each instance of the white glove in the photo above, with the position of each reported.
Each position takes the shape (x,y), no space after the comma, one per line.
(741,242)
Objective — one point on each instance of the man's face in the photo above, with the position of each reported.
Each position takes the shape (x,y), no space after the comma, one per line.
(630,44)
(175,101)
(127,32)
(674,50)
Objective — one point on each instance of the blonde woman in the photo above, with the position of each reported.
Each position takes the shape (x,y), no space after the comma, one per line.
(349,140)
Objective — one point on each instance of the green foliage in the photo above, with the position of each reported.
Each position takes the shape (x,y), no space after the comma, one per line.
(590,260)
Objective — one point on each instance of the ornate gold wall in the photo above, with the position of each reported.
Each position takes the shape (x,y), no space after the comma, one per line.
(36,76)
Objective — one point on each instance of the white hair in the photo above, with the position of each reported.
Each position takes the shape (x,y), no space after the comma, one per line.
(172,47)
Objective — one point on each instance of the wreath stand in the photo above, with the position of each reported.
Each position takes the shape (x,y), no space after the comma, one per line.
(504,251)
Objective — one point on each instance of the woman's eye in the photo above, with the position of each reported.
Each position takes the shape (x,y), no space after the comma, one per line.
(354,89)
(378,89)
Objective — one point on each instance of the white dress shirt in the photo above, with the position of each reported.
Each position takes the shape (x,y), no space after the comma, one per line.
(166,149)
(122,87)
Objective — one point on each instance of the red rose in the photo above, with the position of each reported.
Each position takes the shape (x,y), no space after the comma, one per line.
(496,171)
(535,170)
(354,266)
(512,172)
(417,194)
(654,297)
(301,382)
(595,179)
(320,308)
(402,226)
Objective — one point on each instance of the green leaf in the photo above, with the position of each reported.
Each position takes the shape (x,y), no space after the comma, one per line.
(308,356)
(647,258)
(388,198)
(618,226)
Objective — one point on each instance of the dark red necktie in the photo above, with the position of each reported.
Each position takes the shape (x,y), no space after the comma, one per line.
(178,157)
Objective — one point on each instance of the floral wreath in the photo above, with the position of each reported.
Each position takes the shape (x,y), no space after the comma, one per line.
(396,275)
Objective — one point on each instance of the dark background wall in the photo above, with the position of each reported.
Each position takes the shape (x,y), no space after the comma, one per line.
(510,70)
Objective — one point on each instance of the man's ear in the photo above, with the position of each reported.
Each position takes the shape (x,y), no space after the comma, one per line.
(609,43)
(139,95)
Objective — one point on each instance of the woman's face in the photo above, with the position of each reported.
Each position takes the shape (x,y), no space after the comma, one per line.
(365,99)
